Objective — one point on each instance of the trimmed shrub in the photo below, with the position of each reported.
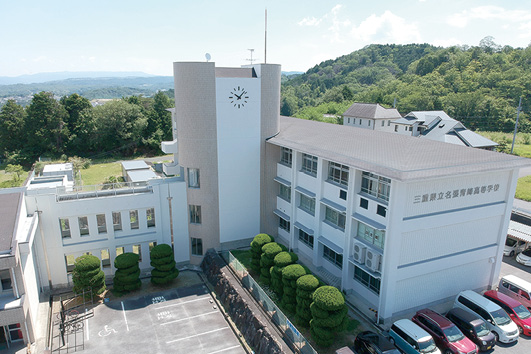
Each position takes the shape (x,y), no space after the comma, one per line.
(127,273)
(281,260)
(162,260)
(87,274)
(329,315)
(269,251)
(290,274)
(256,249)
(306,285)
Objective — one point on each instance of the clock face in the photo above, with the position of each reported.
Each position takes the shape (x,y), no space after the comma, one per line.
(238,97)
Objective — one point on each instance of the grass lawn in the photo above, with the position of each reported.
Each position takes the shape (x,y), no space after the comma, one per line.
(522,144)
(6,179)
(523,188)
(344,339)
(98,173)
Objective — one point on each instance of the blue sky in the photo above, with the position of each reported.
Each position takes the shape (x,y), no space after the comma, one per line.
(114,35)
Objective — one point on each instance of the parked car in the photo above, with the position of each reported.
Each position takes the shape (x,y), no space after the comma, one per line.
(411,339)
(446,335)
(473,327)
(373,343)
(518,312)
(498,321)
(516,288)
(524,257)
(513,246)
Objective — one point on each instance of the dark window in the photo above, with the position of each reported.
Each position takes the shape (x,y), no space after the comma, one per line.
(285,156)
(381,210)
(197,246)
(364,203)
(195,214)
(367,280)
(283,224)
(343,194)
(305,238)
(333,257)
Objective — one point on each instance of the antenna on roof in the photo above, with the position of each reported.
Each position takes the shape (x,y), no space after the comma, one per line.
(251,60)
(208,57)
(265,39)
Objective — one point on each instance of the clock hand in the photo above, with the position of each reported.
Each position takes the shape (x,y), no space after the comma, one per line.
(239,97)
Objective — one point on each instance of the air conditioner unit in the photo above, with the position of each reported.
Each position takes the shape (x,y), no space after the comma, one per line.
(359,252)
(372,260)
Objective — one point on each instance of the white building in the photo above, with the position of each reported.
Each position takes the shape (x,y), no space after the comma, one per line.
(370,116)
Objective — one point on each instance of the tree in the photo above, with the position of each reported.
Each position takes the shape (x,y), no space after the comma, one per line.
(163,261)
(290,274)
(329,315)
(12,118)
(256,249)
(80,123)
(16,170)
(269,251)
(126,277)
(45,128)
(87,274)
(281,260)
(306,285)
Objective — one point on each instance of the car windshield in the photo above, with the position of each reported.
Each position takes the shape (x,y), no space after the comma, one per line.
(500,317)
(527,252)
(522,312)
(481,330)
(453,334)
(427,346)
(510,242)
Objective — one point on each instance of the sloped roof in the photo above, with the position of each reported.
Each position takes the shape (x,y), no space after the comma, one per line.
(519,231)
(474,139)
(396,156)
(371,110)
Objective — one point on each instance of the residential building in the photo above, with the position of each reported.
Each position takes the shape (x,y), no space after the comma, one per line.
(370,116)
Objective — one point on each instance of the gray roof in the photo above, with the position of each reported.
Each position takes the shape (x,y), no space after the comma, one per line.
(135,165)
(371,110)
(392,155)
(519,231)
(9,208)
(141,175)
(474,139)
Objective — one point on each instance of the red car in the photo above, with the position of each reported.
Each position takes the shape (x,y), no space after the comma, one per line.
(445,334)
(518,312)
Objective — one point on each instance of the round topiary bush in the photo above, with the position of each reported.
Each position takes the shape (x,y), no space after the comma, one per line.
(306,285)
(329,314)
(87,274)
(126,277)
(269,251)
(256,250)
(280,261)
(163,261)
(290,274)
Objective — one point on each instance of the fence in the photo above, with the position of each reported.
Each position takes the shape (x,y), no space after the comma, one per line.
(290,332)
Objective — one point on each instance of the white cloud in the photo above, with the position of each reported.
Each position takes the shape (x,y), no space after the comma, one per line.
(490,12)
(446,42)
(310,21)
(387,28)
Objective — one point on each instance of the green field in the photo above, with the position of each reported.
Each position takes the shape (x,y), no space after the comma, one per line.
(99,172)
(523,189)
(522,144)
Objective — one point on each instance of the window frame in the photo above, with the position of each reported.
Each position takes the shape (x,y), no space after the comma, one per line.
(338,173)
(335,218)
(194,212)
(370,235)
(134,224)
(102,228)
(70,267)
(194,178)
(197,245)
(64,226)
(309,164)
(150,217)
(284,224)
(375,185)
(308,206)
(306,238)
(286,156)
(374,284)
(83,220)
(116,215)
(138,251)
(284,192)
(333,257)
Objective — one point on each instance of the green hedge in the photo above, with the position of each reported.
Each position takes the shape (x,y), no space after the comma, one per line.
(306,285)
(269,251)
(280,261)
(329,314)
(329,298)
(256,249)
(87,274)
(290,274)
(126,260)
(163,261)
(126,277)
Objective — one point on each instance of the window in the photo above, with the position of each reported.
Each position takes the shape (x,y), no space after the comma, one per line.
(102,224)
(369,122)
(65,228)
(306,238)
(405,128)
(285,193)
(83,225)
(348,120)
(388,123)
(193,177)
(364,203)
(333,257)
(367,280)
(307,204)
(383,123)
(70,260)
(150,217)
(117,220)
(338,173)
(335,217)
(5,280)
(370,235)
(138,250)
(195,214)
(285,157)
(133,219)
(119,251)
(15,332)
(360,121)
(283,224)
(343,194)
(410,129)
(197,246)
(309,164)
(396,127)
(151,245)
(105,258)
(376,186)
(381,210)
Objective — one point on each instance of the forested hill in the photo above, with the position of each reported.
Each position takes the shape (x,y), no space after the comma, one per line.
(479,85)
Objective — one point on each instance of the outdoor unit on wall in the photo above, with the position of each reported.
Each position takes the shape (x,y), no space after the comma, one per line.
(359,252)
(372,260)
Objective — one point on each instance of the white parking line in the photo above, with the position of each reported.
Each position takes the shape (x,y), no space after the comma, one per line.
(197,335)
(222,350)
(187,318)
(182,303)
(125,318)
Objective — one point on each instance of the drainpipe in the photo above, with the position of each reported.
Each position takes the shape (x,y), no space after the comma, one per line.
(15,282)
(171,217)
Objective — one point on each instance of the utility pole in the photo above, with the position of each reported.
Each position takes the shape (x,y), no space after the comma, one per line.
(265,38)
(516,124)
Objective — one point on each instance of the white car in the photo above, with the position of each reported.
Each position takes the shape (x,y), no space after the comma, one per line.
(513,246)
(524,257)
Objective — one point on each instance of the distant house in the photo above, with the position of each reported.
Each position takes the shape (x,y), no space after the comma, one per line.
(437,125)
(370,116)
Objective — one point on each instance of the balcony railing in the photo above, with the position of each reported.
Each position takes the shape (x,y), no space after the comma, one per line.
(103,190)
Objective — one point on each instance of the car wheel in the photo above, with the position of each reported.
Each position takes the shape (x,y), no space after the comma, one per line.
(511,254)
(392,340)
(520,330)
(448,351)
(496,336)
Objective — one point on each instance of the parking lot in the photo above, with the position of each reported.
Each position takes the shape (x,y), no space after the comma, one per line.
(181,320)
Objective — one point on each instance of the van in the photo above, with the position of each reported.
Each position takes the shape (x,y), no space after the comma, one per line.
(513,246)
(498,321)
(473,327)
(411,339)
(517,288)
